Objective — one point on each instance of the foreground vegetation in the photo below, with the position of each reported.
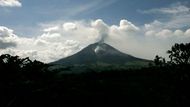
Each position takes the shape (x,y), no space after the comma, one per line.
(26,83)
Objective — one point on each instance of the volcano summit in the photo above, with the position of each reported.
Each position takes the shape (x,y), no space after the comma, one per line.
(100,53)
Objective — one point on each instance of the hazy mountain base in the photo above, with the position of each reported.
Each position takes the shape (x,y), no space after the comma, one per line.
(98,67)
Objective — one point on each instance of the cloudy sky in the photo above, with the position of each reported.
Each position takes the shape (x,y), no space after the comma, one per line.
(48,30)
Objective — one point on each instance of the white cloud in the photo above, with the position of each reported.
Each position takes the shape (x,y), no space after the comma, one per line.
(178,33)
(51,29)
(176,8)
(175,16)
(69,26)
(166,33)
(7,38)
(126,25)
(174,22)
(10,3)
(155,25)
(5,32)
(66,38)
(39,48)
(187,33)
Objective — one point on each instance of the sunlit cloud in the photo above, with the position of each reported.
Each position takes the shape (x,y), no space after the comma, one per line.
(10,3)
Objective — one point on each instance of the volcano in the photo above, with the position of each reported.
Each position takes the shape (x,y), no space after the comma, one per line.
(100,53)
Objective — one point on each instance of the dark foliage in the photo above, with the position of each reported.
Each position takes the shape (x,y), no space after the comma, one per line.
(19,76)
(159,61)
(26,83)
(180,54)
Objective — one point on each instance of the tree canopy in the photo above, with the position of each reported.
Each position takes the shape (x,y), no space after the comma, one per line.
(179,54)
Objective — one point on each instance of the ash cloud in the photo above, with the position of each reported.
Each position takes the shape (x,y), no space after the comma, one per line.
(103,30)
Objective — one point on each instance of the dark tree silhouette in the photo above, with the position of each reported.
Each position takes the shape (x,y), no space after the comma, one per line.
(159,61)
(20,76)
(180,54)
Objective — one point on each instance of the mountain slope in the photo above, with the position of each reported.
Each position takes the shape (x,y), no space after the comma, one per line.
(99,53)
